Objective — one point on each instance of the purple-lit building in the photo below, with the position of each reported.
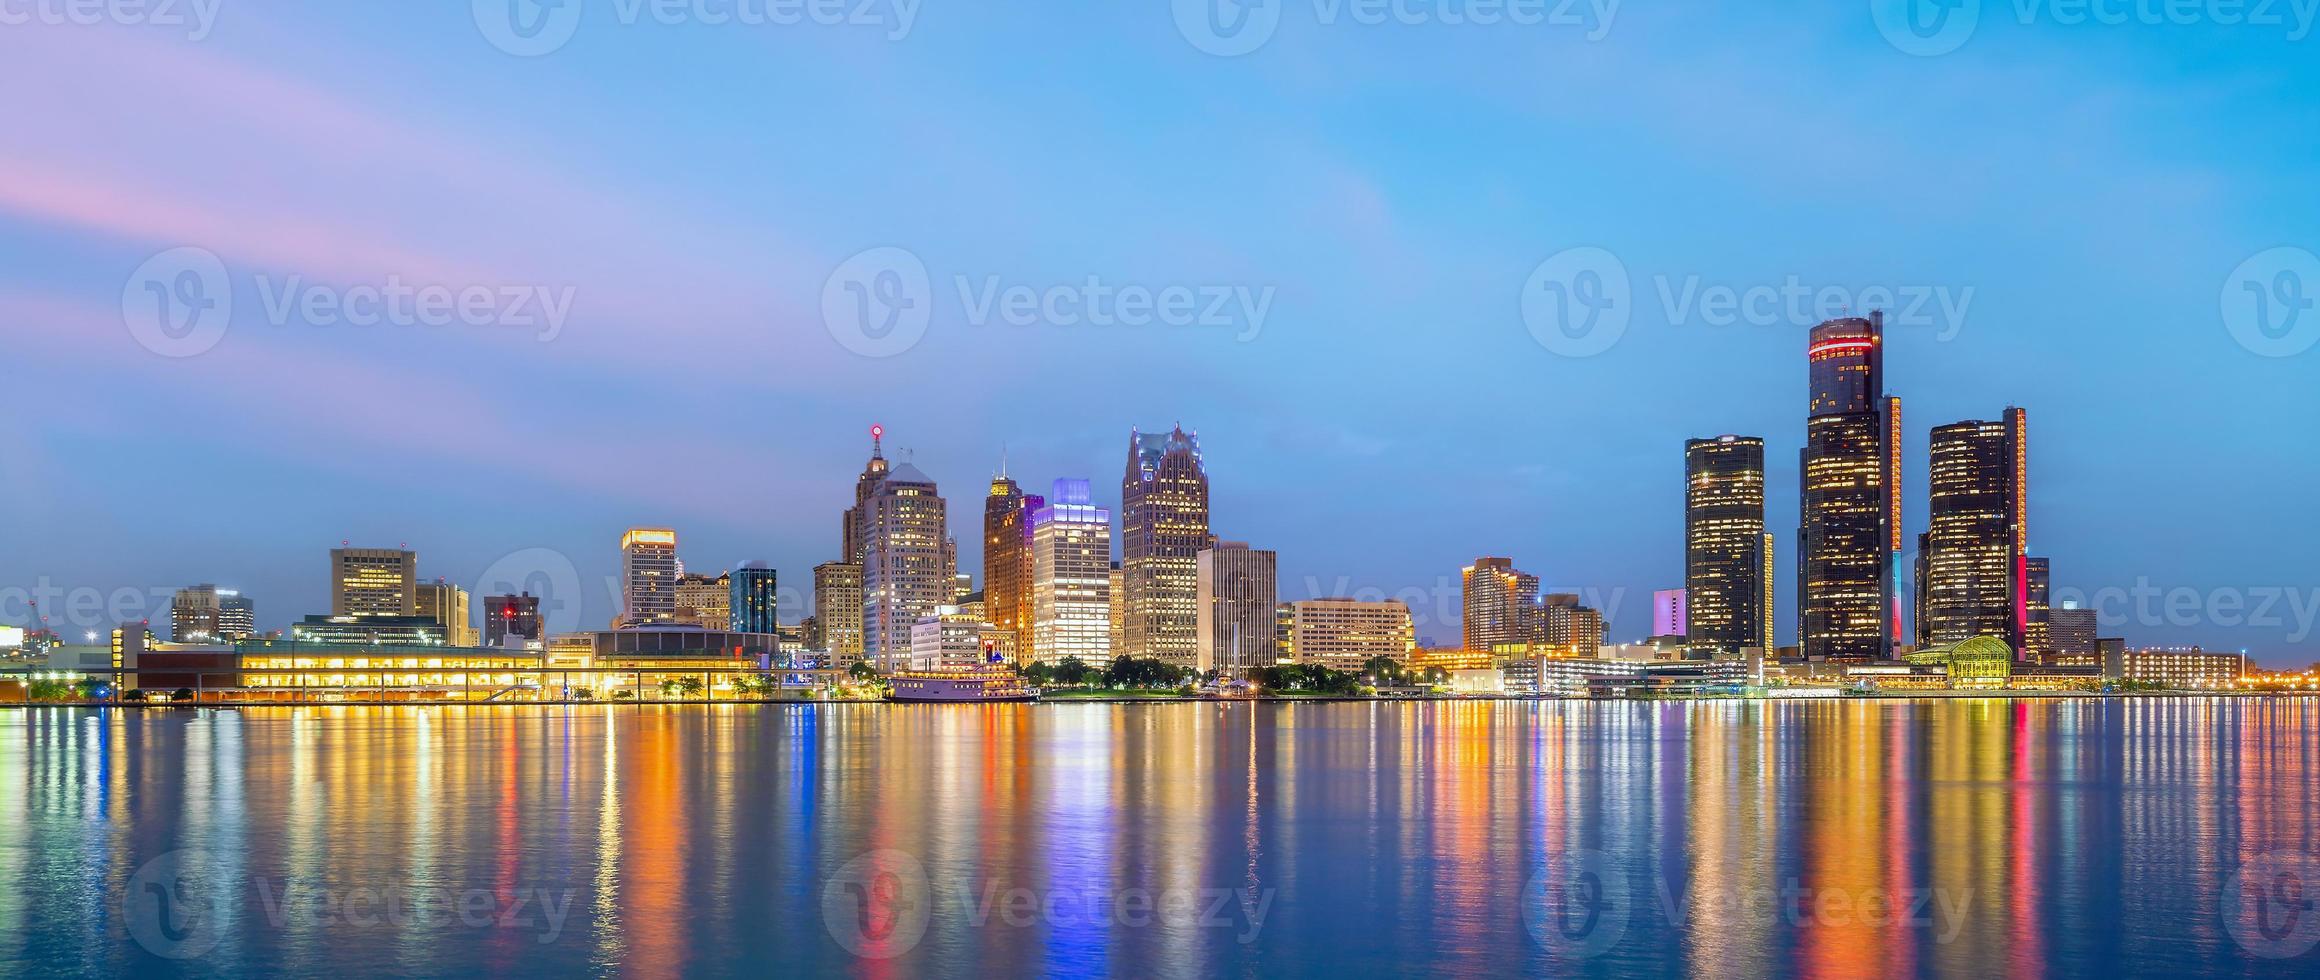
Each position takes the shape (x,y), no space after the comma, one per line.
(1667,612)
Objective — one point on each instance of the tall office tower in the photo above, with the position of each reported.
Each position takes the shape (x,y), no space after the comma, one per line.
(507,616)
(1163,526)
(373,582)
(904,524)
(705,600)
(1119,609)
(1032,502)
(1576,629)
(1003,553)
(1285,633)
(857,516)
(1344,634)
(193,615)
(838,610)
(1669,613)
(1724,607)
(1071,590)
(1500,604)
(1849,528)
(1765,577)
(648,576)
(1238,591)
(446,604)
(1975,578)
(237,616)
(2037,611)
(2073,631)
(753,596)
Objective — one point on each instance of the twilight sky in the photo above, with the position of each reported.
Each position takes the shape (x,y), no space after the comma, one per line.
(691,198)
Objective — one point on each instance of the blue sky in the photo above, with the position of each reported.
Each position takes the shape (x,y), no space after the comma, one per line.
(2086,191)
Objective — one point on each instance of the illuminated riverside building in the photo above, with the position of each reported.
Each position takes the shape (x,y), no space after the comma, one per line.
(237,617)
(855,540)
(369,631)
(1163,527)
(1974,552)
(951,639)
(2038,609)
(1726,608)
(648,576)
(1499,604)
(1238,590)
(838,609)
(704,600)
(2072,632)
(511,616)
(1849,528)
(753,600)
(1569,626)
(1668,613)
(1004,557)
(373,582)
(1071,577)
(2182,668)
(193,615)
(446,603)
(903,573)
(1344,634)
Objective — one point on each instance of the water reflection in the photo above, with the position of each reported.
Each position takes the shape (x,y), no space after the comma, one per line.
(1831,838)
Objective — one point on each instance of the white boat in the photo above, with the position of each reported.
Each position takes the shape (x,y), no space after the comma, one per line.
(992,682)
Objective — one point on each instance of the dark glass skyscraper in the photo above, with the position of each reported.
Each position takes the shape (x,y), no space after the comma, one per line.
(1850,527)
(1975,557)
(1725,608)
(755,599)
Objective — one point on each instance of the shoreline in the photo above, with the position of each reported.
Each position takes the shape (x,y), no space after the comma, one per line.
(1145,700)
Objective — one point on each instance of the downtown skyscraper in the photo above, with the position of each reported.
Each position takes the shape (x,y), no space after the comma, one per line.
(1727,595)
(1850,475)
(1239,588)
(1974,555)
(904,575)
(1163,527)
(1499,604)
(1071,570)
(648,576)
(1005,560)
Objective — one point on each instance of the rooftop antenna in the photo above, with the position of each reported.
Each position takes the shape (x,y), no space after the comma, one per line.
(877,439)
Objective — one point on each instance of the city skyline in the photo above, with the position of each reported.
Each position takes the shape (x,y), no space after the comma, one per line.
(1396,254)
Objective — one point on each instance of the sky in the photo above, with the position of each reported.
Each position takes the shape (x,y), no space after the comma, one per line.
(678,258)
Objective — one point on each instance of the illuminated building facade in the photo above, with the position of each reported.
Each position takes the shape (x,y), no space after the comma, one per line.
(373,582)
(446,603)
(903,573)
(1569,626)
(1849,527)
(1071,577)
(855,537)
(2182,668)
(951,639)
(705,601)
(1238,590)
(1163,527)
(1974,551)
(2072,631)
(1344,634)
(193,615)
(648,576)
(753,599)
(511,616)
(1725,609)
(1499,603)
(838,610)
(2038,609)
(1669,616)
(368,631)
(237,616)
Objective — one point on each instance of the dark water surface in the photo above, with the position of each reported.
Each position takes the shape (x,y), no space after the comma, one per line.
(1859,838)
